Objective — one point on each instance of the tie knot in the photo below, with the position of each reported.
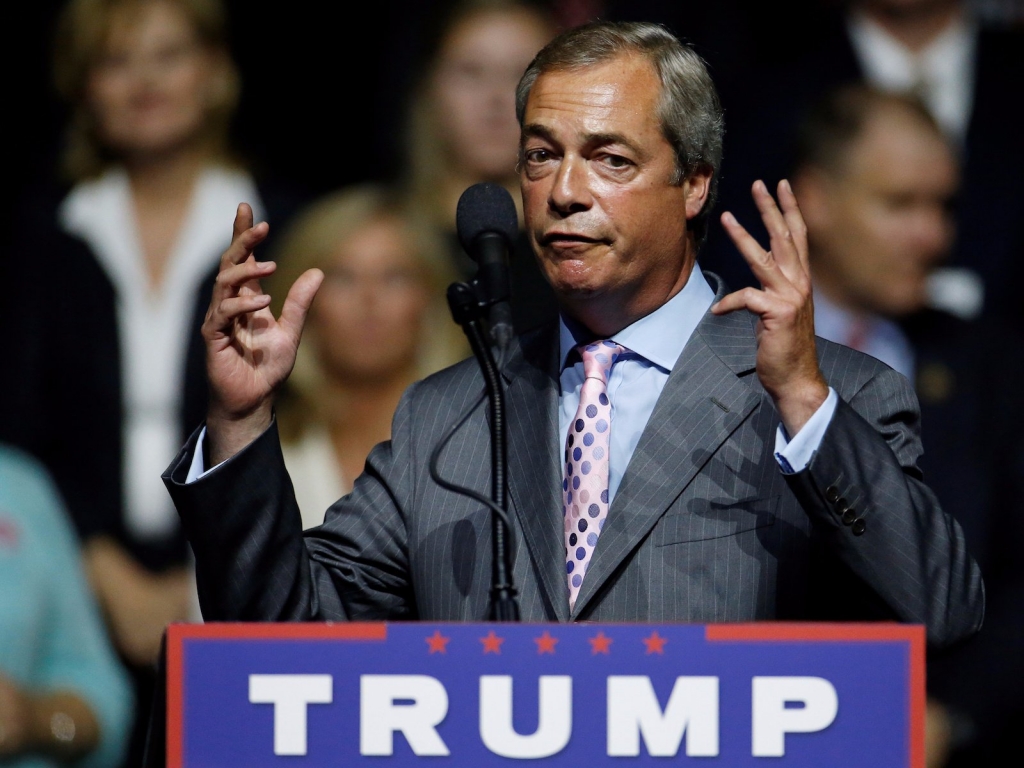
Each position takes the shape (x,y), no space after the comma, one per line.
(598,358)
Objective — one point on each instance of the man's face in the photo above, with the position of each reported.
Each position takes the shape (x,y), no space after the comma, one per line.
(606,222)
(880,226)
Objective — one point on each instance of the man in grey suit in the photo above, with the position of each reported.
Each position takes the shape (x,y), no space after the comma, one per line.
(752,471)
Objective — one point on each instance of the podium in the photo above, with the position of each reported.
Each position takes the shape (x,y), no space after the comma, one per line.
(418,694)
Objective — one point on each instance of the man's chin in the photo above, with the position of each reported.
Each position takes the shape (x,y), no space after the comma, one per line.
(899,305)
(574,285)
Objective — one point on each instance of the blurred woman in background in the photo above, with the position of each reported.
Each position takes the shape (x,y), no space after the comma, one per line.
(463,130)
(151,89)
(109,289)
(64,698)
(379,322)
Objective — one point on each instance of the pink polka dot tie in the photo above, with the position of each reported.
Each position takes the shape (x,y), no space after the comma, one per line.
(585,486)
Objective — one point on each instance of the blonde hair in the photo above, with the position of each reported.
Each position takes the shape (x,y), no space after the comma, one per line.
(427,161)
(311,240)
(83,30)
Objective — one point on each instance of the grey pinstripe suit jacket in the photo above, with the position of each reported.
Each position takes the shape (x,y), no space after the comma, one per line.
(704,527)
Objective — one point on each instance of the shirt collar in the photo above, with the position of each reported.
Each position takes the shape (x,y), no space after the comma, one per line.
(831,321)
(943,71)
(835,323)
(872,41)
(658,337)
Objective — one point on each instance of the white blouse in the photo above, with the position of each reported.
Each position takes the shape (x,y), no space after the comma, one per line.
(154,324)
(316,477)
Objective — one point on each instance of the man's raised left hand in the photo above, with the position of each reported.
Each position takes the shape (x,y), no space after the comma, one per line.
(787,361)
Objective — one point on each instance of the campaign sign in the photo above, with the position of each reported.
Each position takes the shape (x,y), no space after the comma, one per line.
(763,694)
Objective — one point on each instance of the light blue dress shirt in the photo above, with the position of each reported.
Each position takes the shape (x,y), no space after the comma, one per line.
(883,340)
(655,343)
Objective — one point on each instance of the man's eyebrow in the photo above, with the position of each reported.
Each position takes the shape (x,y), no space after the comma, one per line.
(531,130)
(604,139)
(589,139)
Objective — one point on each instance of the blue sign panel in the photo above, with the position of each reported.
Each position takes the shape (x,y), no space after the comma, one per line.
(580,694)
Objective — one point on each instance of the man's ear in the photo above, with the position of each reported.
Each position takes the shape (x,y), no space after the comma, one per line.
(696,189)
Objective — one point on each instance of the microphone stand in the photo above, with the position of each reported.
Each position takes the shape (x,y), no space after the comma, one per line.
(469,306)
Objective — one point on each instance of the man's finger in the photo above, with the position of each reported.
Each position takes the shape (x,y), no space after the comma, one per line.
(242,248)
(755,300)
(773,219)
(762,264)
(231,280)
(300,298)
(226,311)
(782,244)
(243,220)
(243,242)
(231,309)
(795,222)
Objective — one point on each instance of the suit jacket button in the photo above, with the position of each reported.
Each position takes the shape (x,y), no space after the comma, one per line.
(850,517)
(859,526)
(842,505)
(831,493)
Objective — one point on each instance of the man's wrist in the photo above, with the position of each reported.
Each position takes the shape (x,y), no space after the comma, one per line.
(226,435)
(798,404)
(794,453)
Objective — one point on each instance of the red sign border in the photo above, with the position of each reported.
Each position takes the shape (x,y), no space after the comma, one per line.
(178,634)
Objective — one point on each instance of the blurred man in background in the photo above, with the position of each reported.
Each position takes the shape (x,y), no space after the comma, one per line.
(964,71)
(876,177)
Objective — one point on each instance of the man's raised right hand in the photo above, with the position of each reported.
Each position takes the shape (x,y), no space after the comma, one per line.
(249,354)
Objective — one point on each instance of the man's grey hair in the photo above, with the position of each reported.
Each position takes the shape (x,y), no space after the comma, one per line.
(690,112)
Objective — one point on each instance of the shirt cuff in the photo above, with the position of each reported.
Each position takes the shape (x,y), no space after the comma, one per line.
(794,455)
(197,468)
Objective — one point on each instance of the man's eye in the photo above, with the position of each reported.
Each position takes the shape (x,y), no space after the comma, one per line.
(537,156)
(615,161)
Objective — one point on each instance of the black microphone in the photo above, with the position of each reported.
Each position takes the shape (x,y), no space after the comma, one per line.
(487,224)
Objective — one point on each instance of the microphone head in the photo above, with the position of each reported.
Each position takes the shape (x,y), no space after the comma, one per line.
(483,208)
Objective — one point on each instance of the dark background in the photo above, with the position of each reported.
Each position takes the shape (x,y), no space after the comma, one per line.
(324,86)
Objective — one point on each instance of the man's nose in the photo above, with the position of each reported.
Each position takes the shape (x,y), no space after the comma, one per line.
(570,191)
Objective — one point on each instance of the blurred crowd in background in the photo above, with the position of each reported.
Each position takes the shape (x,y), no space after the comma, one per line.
(137,126)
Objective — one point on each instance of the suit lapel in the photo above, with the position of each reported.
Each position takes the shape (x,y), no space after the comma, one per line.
(704,400)
(535,474)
